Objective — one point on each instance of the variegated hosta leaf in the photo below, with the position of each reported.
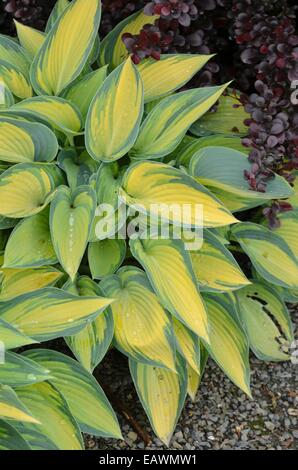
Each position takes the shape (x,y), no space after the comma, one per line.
(57,11)
(86,399)
(13,338)
(27,188)
(12,53)
(21,281)
(228,118)
(78,168)
(223,168)
(172,71)
(162,394)
(293,200)
(164,191)
(90,345)
(236,203)
(228,343)
(168,122)
(12,408)
(18,371)
(270,255)
(22,142)
(67,46)
(194,377)
(266,320)
(143,330)
(188,345)
(37,250)
(189,146)
(215,267)
(50,313)
(107,224)
(112,49)
(31,39)
(6,222)
(106,256)
(6,97)
(108,182)
(71,217)
(288,229)
(58,429)
(170,272)
(10,439)
(17,82)
(58,112)
(82,92)
(115,114)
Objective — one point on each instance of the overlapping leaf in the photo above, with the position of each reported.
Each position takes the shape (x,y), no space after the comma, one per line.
(13,338)
(215,267)
(188,344)
(22,142)
(190,145)
(31,39)
(288,229)
(78,168)
(106,256)
(18,371)
(228,343)
(90,345)
(172,71)
(12,408)
(266,320)
(16,81)
(228,119)
(27,188)
(82,92)
(85,398)
(165,126)
(162,393)
(38,249)
(50,313)
(58,430)
(142,328)
(71,217)
(115,114)
(55,111)
(165,191)
(67,46)
(270,254)
(170,272)
(21,281)
(10,439)
(14,54)
(223,168)
(194,378)
(7,98)
(113,50)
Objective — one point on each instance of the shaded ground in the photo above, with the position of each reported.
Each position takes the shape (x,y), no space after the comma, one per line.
(222,417)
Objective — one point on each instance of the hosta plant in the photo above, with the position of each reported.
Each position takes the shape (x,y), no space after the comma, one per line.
(118,228)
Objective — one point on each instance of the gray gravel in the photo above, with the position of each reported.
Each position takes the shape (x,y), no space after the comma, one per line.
(222,417)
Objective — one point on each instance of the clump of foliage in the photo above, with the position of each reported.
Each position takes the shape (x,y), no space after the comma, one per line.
(80,145)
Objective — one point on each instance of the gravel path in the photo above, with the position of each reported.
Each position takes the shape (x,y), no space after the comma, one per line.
(222,417)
